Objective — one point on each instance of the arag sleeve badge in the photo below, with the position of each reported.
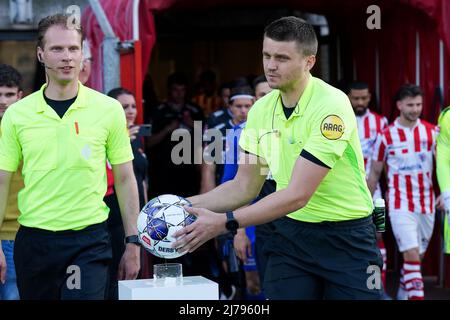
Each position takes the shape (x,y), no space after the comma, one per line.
(332,127)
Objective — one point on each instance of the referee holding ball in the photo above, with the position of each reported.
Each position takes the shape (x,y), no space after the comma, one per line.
(305,132)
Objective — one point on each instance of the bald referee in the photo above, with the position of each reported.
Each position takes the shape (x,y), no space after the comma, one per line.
(305,132)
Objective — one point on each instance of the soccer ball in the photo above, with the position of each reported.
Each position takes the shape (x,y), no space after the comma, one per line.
(159,220)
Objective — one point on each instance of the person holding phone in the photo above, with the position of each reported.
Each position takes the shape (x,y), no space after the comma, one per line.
(140,163)
(140,166)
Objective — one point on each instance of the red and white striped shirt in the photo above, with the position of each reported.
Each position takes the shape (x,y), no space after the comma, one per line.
(408,154)
(370,126)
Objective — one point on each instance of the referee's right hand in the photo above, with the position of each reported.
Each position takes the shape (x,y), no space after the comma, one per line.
(2,267)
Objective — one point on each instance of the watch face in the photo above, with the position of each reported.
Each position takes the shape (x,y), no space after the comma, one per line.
(232,225)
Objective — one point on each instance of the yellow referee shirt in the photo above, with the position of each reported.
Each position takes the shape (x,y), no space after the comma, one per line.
(64,159)
(323,124)
(443,165)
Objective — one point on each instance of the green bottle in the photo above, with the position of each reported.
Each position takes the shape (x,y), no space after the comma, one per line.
(379,215)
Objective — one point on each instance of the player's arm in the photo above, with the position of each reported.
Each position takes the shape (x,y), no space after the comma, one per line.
(235,193)
(128,198)
(374,176)
(379,155)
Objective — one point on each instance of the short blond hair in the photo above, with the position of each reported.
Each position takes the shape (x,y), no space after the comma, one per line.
(58,19)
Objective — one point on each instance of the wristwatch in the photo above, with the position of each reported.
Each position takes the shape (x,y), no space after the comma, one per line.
(133,239)
(232,224)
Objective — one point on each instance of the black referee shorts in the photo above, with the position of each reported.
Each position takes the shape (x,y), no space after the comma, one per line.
(63,264)
(329,260)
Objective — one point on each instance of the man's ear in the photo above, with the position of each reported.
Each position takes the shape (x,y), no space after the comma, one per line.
(39,54)
(310,62)
(20,94)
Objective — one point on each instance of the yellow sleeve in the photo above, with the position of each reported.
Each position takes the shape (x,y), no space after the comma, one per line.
(10,150)
(249,140)
(443,151)
(330,131)
(118,147)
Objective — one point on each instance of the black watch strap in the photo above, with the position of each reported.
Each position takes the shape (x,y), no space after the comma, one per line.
(232,224)
(132,239)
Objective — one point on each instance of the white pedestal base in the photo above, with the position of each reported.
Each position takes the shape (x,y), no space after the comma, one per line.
(191,288)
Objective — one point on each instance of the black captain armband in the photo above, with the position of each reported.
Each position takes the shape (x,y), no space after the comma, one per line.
(308,156)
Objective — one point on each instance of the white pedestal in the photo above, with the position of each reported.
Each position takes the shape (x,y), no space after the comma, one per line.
(191,288)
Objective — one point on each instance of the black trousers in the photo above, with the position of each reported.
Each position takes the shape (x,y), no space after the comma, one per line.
(329,260)
(64,264)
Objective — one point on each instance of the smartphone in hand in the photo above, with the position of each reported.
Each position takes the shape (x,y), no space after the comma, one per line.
(145,130)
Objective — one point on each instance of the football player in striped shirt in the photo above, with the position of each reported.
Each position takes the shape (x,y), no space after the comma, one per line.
(370,125)
(407,148)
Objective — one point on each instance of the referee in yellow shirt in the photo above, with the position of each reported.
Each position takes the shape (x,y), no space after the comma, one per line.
(443,170)
(324,247)
(63,134)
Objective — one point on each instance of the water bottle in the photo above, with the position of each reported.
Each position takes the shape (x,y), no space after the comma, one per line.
(379,215)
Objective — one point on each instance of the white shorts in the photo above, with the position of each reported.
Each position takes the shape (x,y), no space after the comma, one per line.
(412,230)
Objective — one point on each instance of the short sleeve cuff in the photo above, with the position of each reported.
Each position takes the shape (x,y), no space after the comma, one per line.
(329,156)
(308,156)
(120,156)
(248,142)
(8,166)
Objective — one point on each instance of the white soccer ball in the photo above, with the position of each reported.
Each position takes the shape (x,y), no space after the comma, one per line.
(159,220)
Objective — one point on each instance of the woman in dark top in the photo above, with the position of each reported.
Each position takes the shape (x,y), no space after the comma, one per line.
(140,166)
(140,163)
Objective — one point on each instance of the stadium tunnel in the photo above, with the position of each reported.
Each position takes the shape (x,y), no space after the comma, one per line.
(412,46)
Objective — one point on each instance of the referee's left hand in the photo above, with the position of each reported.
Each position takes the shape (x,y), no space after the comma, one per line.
(207,226)
(130,263)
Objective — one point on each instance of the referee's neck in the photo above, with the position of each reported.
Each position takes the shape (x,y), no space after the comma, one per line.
(56,91)
(291,96)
